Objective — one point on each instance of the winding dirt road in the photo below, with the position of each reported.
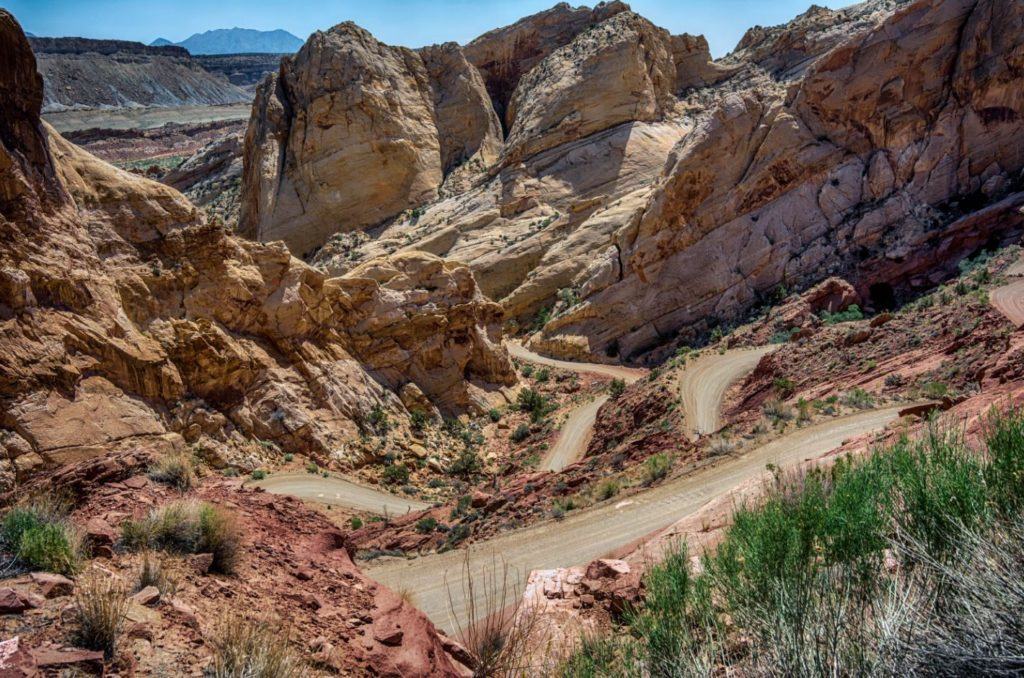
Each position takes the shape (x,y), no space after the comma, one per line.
(574,437)
(1009,299)
(704,381)
(627,374)
(339,492)
(592,533)
(579,427)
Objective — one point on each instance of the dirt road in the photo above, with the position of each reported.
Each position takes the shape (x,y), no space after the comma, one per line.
(592,533)
(575,434)
(704,381)
(338,492)
(574,437)
(627,374)
(1009,299)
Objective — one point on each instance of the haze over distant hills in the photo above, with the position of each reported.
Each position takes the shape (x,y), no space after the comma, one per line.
(237,41)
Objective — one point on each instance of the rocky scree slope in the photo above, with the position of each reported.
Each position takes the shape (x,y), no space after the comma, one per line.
(80,73)
(128,321)
(649,193)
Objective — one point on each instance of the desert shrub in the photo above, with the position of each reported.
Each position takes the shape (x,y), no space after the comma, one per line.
(721,446)
(776,410)
(893,380)
(526,370)
(935,389)
(258,474)
(616,388)
(289,457)
(534,403)
(175,470)
(395,474)
(783,386)
(312,467)
(543,375)
(426,525)
(378,420)
(355,522)
(153,573)
(607,489)
(54,547)
(466,464)
(42,537)
(803,410)
(188,527)
(418,420)
(593,656)
(1004,470)
(858,398)
(456,535)
(494,414)
(851,313)
(249,649)
(521,433)
(501,635)
(100,611)
(656,467)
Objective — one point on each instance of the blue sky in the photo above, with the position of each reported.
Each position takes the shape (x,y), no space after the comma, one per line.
(400,22)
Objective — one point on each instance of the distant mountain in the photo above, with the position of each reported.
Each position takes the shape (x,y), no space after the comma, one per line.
(237,41)
(29,35)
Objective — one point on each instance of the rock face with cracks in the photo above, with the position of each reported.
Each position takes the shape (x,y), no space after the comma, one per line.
(645,194)
(352,132)
(127,321)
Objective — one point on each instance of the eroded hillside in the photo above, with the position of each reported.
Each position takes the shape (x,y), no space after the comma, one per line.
(644,191)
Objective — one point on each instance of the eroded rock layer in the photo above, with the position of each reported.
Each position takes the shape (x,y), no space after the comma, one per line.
(644,194)
(127,320)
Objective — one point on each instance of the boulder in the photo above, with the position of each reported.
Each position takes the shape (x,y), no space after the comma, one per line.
(52,585)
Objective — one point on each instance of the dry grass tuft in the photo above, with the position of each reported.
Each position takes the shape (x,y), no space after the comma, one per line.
(101,607)
(252,649)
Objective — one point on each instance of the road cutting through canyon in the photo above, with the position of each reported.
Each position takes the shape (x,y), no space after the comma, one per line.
(575,435)
(1009,298)
(335,491)
(435,582)
(704,381)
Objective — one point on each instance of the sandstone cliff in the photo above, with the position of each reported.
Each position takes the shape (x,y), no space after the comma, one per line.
(876,162)
(353,132)
(645,194)
(127,321)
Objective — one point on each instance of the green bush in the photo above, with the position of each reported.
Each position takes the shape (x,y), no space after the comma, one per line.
(607,489)
(851,313)
(426,525)
(288,457)
(535,403)
(799,574)
(53,547)
(494,414)
(859,399)
(543,375)
(526,370)
(656,467)
(396,474)
(521,433)
(312,467)
(466,465)
(41,536)
(258,474)
(616,388)
(355,522)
